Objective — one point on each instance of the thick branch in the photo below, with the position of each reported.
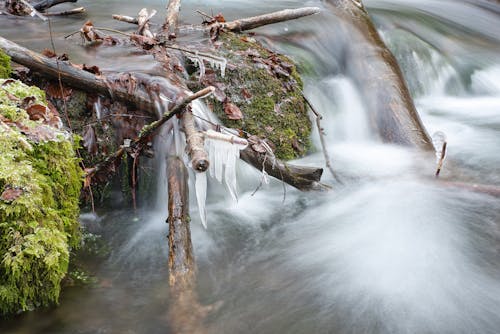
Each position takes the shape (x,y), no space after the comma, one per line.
(180,256)
(391,110)
(44,4)
(74,77)
(195,143)
(172,19)
(275,17)
(300,177)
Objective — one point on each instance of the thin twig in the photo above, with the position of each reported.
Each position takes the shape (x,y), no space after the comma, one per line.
(73,11)
(205,15)
(61,88)
(321,133)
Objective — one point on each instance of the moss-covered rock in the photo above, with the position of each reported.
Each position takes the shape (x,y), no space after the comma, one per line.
(267,89)
(5,68)
(40,182)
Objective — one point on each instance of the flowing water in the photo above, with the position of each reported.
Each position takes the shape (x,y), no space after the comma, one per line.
(390,251)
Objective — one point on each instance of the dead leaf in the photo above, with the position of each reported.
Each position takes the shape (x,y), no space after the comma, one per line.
(48,53)
(37,112)
(54,90)
(219,18)
(88,32)
(232,111)
(246,94)
(11,194)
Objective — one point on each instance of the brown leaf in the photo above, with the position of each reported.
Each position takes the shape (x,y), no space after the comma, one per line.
(92,69)
(256,144)
(220,95)
(11,194)
(232,111)
(48,53)
(219,18)
(8,82)
(88,32)
(54,90)
(246,94)
(37,112)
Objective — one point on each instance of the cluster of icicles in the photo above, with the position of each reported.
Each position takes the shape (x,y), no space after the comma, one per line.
(223,153)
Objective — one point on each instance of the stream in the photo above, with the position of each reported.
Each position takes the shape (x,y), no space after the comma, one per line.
(389,251)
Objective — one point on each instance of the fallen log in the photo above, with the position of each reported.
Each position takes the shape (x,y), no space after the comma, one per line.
(172,19)
(375,70)
(75,77)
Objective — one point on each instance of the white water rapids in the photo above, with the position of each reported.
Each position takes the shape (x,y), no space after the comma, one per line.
(390,251)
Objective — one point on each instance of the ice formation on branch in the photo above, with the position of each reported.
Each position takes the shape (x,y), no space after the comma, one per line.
(223,152)
(199,59)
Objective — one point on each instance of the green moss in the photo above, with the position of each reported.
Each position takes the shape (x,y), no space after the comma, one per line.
(38,227)
(5,68)
(272,104)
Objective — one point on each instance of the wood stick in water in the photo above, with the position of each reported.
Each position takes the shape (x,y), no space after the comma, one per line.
(172,19)
(271,18)
(195,143)
(70,75)
(124,18)
(180,259)
(300,177)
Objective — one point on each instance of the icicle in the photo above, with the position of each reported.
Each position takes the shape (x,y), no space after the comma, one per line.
(230,172)
(224,151)
(201,196)
(215,62)
(98,108)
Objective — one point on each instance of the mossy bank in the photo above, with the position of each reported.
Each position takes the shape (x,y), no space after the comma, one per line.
(40,183)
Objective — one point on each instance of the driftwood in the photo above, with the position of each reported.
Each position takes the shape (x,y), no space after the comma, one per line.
(172,19)
(239,25)
(271,18)
(303,178)
(393,112)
